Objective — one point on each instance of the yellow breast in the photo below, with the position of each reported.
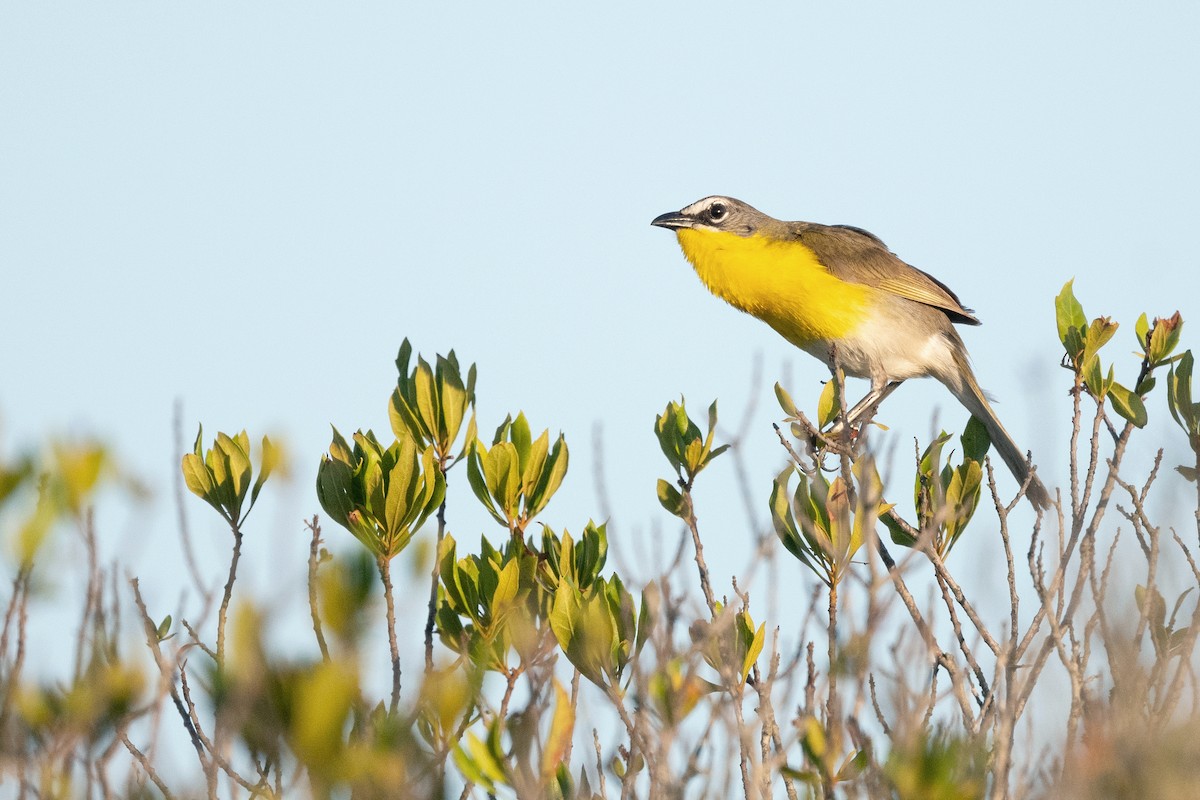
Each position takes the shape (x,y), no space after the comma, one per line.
(781,282)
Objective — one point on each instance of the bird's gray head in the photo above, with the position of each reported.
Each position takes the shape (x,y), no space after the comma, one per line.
(717,213)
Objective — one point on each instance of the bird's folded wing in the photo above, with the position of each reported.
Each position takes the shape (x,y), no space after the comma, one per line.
(857,256)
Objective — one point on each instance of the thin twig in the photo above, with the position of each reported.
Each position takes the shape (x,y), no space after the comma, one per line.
(693,527)
(942,573)
(223,612)
(875,705)
(165,669)
(217,758)
(599,762)
(314,563)
(146,766)
(385,574)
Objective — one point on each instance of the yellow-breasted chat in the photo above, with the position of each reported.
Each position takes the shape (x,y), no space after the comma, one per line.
(823,286)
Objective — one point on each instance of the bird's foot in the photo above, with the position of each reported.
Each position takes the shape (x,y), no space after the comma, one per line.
(840,438)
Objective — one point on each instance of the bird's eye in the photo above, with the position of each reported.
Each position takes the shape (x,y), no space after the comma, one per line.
(717,211)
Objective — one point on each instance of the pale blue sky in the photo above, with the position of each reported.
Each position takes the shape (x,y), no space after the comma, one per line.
(248,206)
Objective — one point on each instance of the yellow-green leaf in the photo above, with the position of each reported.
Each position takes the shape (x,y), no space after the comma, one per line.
(828,406)
(562,727)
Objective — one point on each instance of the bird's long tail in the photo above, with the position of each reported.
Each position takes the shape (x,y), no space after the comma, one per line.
(964,386)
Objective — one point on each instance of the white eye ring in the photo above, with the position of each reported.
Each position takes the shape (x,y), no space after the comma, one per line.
(717,211)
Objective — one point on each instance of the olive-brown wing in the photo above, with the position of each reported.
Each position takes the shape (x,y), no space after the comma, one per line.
(857,256)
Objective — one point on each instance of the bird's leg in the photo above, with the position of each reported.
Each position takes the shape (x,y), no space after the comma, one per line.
(874,397)
(878,393)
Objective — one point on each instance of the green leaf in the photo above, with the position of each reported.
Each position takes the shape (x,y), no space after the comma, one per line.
(1094,378)
(684,426)
(928,491)
(471,436)
(236,451)
(553,474)
(427,400)
(1068,313)
(591,553)
(931,459)
(373,491)
(828,406)
(975,440)
(12,476)
(692,455)
(521,438)
(477,465)
(502,430)
(811,501)
(754,649)
(962,498)
(786,528)
(477,765)
(465,574)
(670,498)
(447,571)
(403,417)
(435,484)
(489,579)
(217,461)
(270,459)
(402,482)
(490,461)
(503,466)
(534,462)
(402,359)
(564,613)
(584,628)
(334,479)
(1179,396)
(1098,334)
(340,449)
(198,479)
(898,534)
(558,739)
(812,739)
(841,526)
(854,765)
(1128,405)
(508,580)
(786,402)
(1179,603)
(716,452)
(450,403)
(1074,346)
(668,437)
(567,566)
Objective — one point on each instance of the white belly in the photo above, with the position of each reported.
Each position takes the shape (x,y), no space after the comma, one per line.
(885,349)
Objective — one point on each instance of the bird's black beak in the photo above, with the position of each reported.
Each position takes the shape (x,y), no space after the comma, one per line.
(673,220)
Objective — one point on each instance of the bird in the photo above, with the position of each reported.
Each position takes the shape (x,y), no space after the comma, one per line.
(837,291)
